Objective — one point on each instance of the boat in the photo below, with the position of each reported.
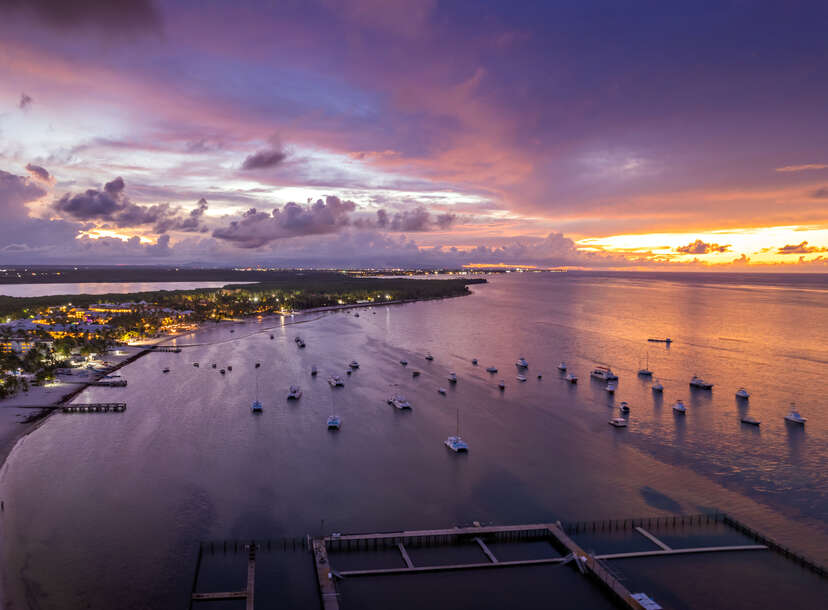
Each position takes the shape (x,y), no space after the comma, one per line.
(229,367)
(356,315)
(354,364)
(398,401)
(232,331)
(521,378)
(491,369)
(335,381)
(222,371)
(349,371)
(618,422)
(657,387)
(166,369)
(624,407)
(301,344)
(562,366)
(452,377)
(474,361)
(428,356)
(611,387)
(195,364)
(701,384)
(258,364)
(742,393)
(571,378)
(334,421)
(297,339)
(540,376)
(313,371)
(794,417)
(502,385)
(294,392)
(646,372)
(679,407)
(521,363)
(441,391)
(271,336)
(455,443)
(415,373)
(604,373)
(214,365)
(404,362)
(256,407)
(747,419)
(658,340)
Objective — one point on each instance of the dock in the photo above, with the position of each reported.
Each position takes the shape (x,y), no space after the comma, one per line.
(81,407)
(164,348)
(247,594)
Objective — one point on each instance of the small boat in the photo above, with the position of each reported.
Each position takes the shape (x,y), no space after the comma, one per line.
(604,373)
(452,377)
(624,407)
(166,369)
(195,364)
(679,407)
(229,367)
(214,365)
(441,391)
(354,364)
(491,369)
(334,421)
(658,340)
(521,363)
(645,372)
(294,392)
(521,378)
(256,407)
(540,376)
(611,387)
(657,387)
(301,344)
(335,381)
(258,364)
(398,401)
(455,443)
(701,384)
(232,331)
(313,371)
(747,419)
(356,315)
(348,372)
(742,393)
(474,361)
(222,371)
(428,356)
(618,422)
(415,373)
(297,339)
(404,362)
(794,417)
(502,385)
(571,378)
(271,336)
(562,366)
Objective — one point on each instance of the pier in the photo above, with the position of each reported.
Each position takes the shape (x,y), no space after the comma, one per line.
(81,407)
(165,348)
(246,594)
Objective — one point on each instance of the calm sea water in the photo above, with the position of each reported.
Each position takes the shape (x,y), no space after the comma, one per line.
(41,290)
(107,510)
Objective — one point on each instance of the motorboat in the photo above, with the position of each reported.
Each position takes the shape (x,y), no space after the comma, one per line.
(742,393)
(452,377)
(701,384)
(562,366)
(456,444)
(658,340)
(624,407)
(334,421)
(441,391)
(398,401)
(195,364)
(657,387)
(294,392)
(256,407)
(521,363)
(313,371)
(491,369)
(502,385)
(521,378)
(611,387)
(679,407)
(229,367)
(618,422)
(794,417)
(258,364)
(428,356)
(222,371)
(571,378)
(354,364)
(604,373)
(415,373)
(335,381)
(404,362)
(747,419)
(166,369)
(474,361)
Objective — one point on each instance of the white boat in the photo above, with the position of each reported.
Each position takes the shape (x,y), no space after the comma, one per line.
(491,369)
(624,407)
(618,422)
(521,378)
(645,371)
(747,419)
(442,391)
(314,371)
(474,361)
(294,392)
(399,402)
(698,382)
(335,381)
(742,393)
(502,385)
(404,362)
(611,387)
(562,366)
(571,378)
(604,373)
(657,387)
(452,377)
(334,421)
(521,363)
(428,356)
(256,407)
(794,417)
(455,443)
(354,364)
(679,407)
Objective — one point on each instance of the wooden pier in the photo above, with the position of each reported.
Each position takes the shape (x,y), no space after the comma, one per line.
(324,575)
(247,594)
(165,348)
(81,407)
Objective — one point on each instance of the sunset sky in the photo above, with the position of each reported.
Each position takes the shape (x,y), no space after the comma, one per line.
(651,135)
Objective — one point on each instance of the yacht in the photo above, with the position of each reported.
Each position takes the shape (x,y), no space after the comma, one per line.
(428,356)
(313,371)
(624,407)
(474,361)
(399,402)
(335,381)
(679,407)
(562,366)
(404,362)
(521,363)
(657,387)
(334,421)
(442,391)
(354,364)
(611,387)
(742,393)
(415,373)
(604,373)
(794,417)
(455,443)
(698,382)
(491,369)
(571,378)
(747,419)
(166,369)
(452,377)
(294,393)
(256,407)
(618,422)
(502,385)
(521,378)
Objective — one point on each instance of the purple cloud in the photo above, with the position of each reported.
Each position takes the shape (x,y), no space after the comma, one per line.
(701,247)
(38,172)
(105,14)
(264,159)
(25,101)
(801,248)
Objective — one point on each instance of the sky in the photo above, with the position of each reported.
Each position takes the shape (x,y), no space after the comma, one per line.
(388,133)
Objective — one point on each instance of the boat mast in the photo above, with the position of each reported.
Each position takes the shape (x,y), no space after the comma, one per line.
(458,421)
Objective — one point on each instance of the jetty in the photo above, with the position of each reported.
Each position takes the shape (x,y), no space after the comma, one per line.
(246,594)
(164,348)
(82,407)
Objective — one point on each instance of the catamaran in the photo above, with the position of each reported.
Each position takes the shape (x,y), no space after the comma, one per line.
(604,373)
(455,443)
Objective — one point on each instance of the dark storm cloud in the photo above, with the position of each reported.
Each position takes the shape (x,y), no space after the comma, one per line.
(190,222)
(15,192)
(38,172)
(412,221)
(264,159)
(25,100)
(701,247)
(110,15)
(801,248)
(255,229)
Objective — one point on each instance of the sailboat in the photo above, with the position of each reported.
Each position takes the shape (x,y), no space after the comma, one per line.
(455,443)
(646,372)
(256,407)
